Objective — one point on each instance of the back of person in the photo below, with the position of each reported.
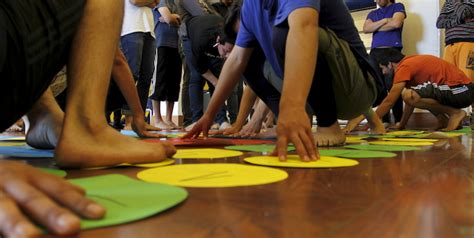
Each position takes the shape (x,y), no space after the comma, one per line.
(420,69)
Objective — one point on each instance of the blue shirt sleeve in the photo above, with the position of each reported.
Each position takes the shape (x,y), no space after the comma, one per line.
(371,16)
(245,37)
(288,6)
(399,7)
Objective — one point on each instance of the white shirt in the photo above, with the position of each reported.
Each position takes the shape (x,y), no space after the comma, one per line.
(137,19)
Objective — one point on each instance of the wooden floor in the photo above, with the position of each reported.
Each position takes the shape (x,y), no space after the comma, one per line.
(427,193)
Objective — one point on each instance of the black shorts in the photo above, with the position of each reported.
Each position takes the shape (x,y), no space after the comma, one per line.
(459,96)
(37,36)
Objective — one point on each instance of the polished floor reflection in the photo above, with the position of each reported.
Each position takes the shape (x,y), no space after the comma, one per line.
(427,193)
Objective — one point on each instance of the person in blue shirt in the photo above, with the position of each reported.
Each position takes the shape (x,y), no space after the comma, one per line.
(314,46)
(386,25)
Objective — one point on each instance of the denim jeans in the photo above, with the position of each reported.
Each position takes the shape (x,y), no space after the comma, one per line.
(196,84)
(139,49)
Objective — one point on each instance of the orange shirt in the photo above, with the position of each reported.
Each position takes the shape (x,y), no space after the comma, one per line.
(419,69)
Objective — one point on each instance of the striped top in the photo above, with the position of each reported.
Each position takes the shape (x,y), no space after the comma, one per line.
(457,17)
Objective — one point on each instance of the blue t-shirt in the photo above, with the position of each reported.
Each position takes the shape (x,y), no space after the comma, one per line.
(259,17)
(391,38)
(166,35)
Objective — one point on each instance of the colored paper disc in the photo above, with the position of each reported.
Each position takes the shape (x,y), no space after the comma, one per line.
(205,154)
(294,161)
(382,147)
(213,175)
(57,172)
(404,143)
(360,154)
(127,199)
(256,148)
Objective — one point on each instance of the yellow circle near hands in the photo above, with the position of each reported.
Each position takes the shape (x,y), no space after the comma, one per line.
(152,165)
(410,139)
(406,143)
(205,154)
(294,161)
(212,175)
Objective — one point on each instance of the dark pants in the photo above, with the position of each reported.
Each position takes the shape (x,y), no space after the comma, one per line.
(37,37)
(139,49)
(376,54)
(340,88)
(168,75)
(196,84)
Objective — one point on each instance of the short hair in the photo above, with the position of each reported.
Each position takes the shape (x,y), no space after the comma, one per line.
(233,15)
(387,56)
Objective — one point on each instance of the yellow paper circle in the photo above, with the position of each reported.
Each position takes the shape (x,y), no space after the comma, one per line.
(406,143)
(294,161)
(152,165)
(410,139)
(205,154)
(212,175)
(12,143)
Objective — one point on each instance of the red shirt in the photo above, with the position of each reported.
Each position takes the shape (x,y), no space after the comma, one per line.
(419,69)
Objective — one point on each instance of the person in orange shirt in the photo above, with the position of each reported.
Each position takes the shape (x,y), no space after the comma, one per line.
(430,83)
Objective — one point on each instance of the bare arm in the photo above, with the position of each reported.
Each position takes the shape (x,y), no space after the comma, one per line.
(248,99)
(210,77)
(255,124)
(390,100)
(168,17)
(233,69)
(394,23)
(407,111)
(371,26)
(300,65)
(123,77)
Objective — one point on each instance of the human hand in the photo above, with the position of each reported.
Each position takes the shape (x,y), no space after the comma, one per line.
(251,129)
(145,130)
(296,129)
(202,125)
(397,126)
(176,19)
(27,193)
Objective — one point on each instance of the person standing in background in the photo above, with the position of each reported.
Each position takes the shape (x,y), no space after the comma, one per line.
(138,45)
(386,25)
(457,17)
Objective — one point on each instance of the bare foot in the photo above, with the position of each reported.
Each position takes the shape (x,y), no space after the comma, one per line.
(442,121)
(45,130)
(171,124)
(454,120)
(329,136)
(83,146)
(161,124)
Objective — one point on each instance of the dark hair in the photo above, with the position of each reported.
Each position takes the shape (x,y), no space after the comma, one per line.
(233,15)
(389,55)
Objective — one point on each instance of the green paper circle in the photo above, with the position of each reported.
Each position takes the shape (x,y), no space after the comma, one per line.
(127,199)
(357,154)
(383,147)
(57,172)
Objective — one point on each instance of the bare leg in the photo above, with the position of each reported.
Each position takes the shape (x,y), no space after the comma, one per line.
(86,139)
(46,121)
(169,115)
(442,121)
(353,123)
(329,136)
(157,118)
